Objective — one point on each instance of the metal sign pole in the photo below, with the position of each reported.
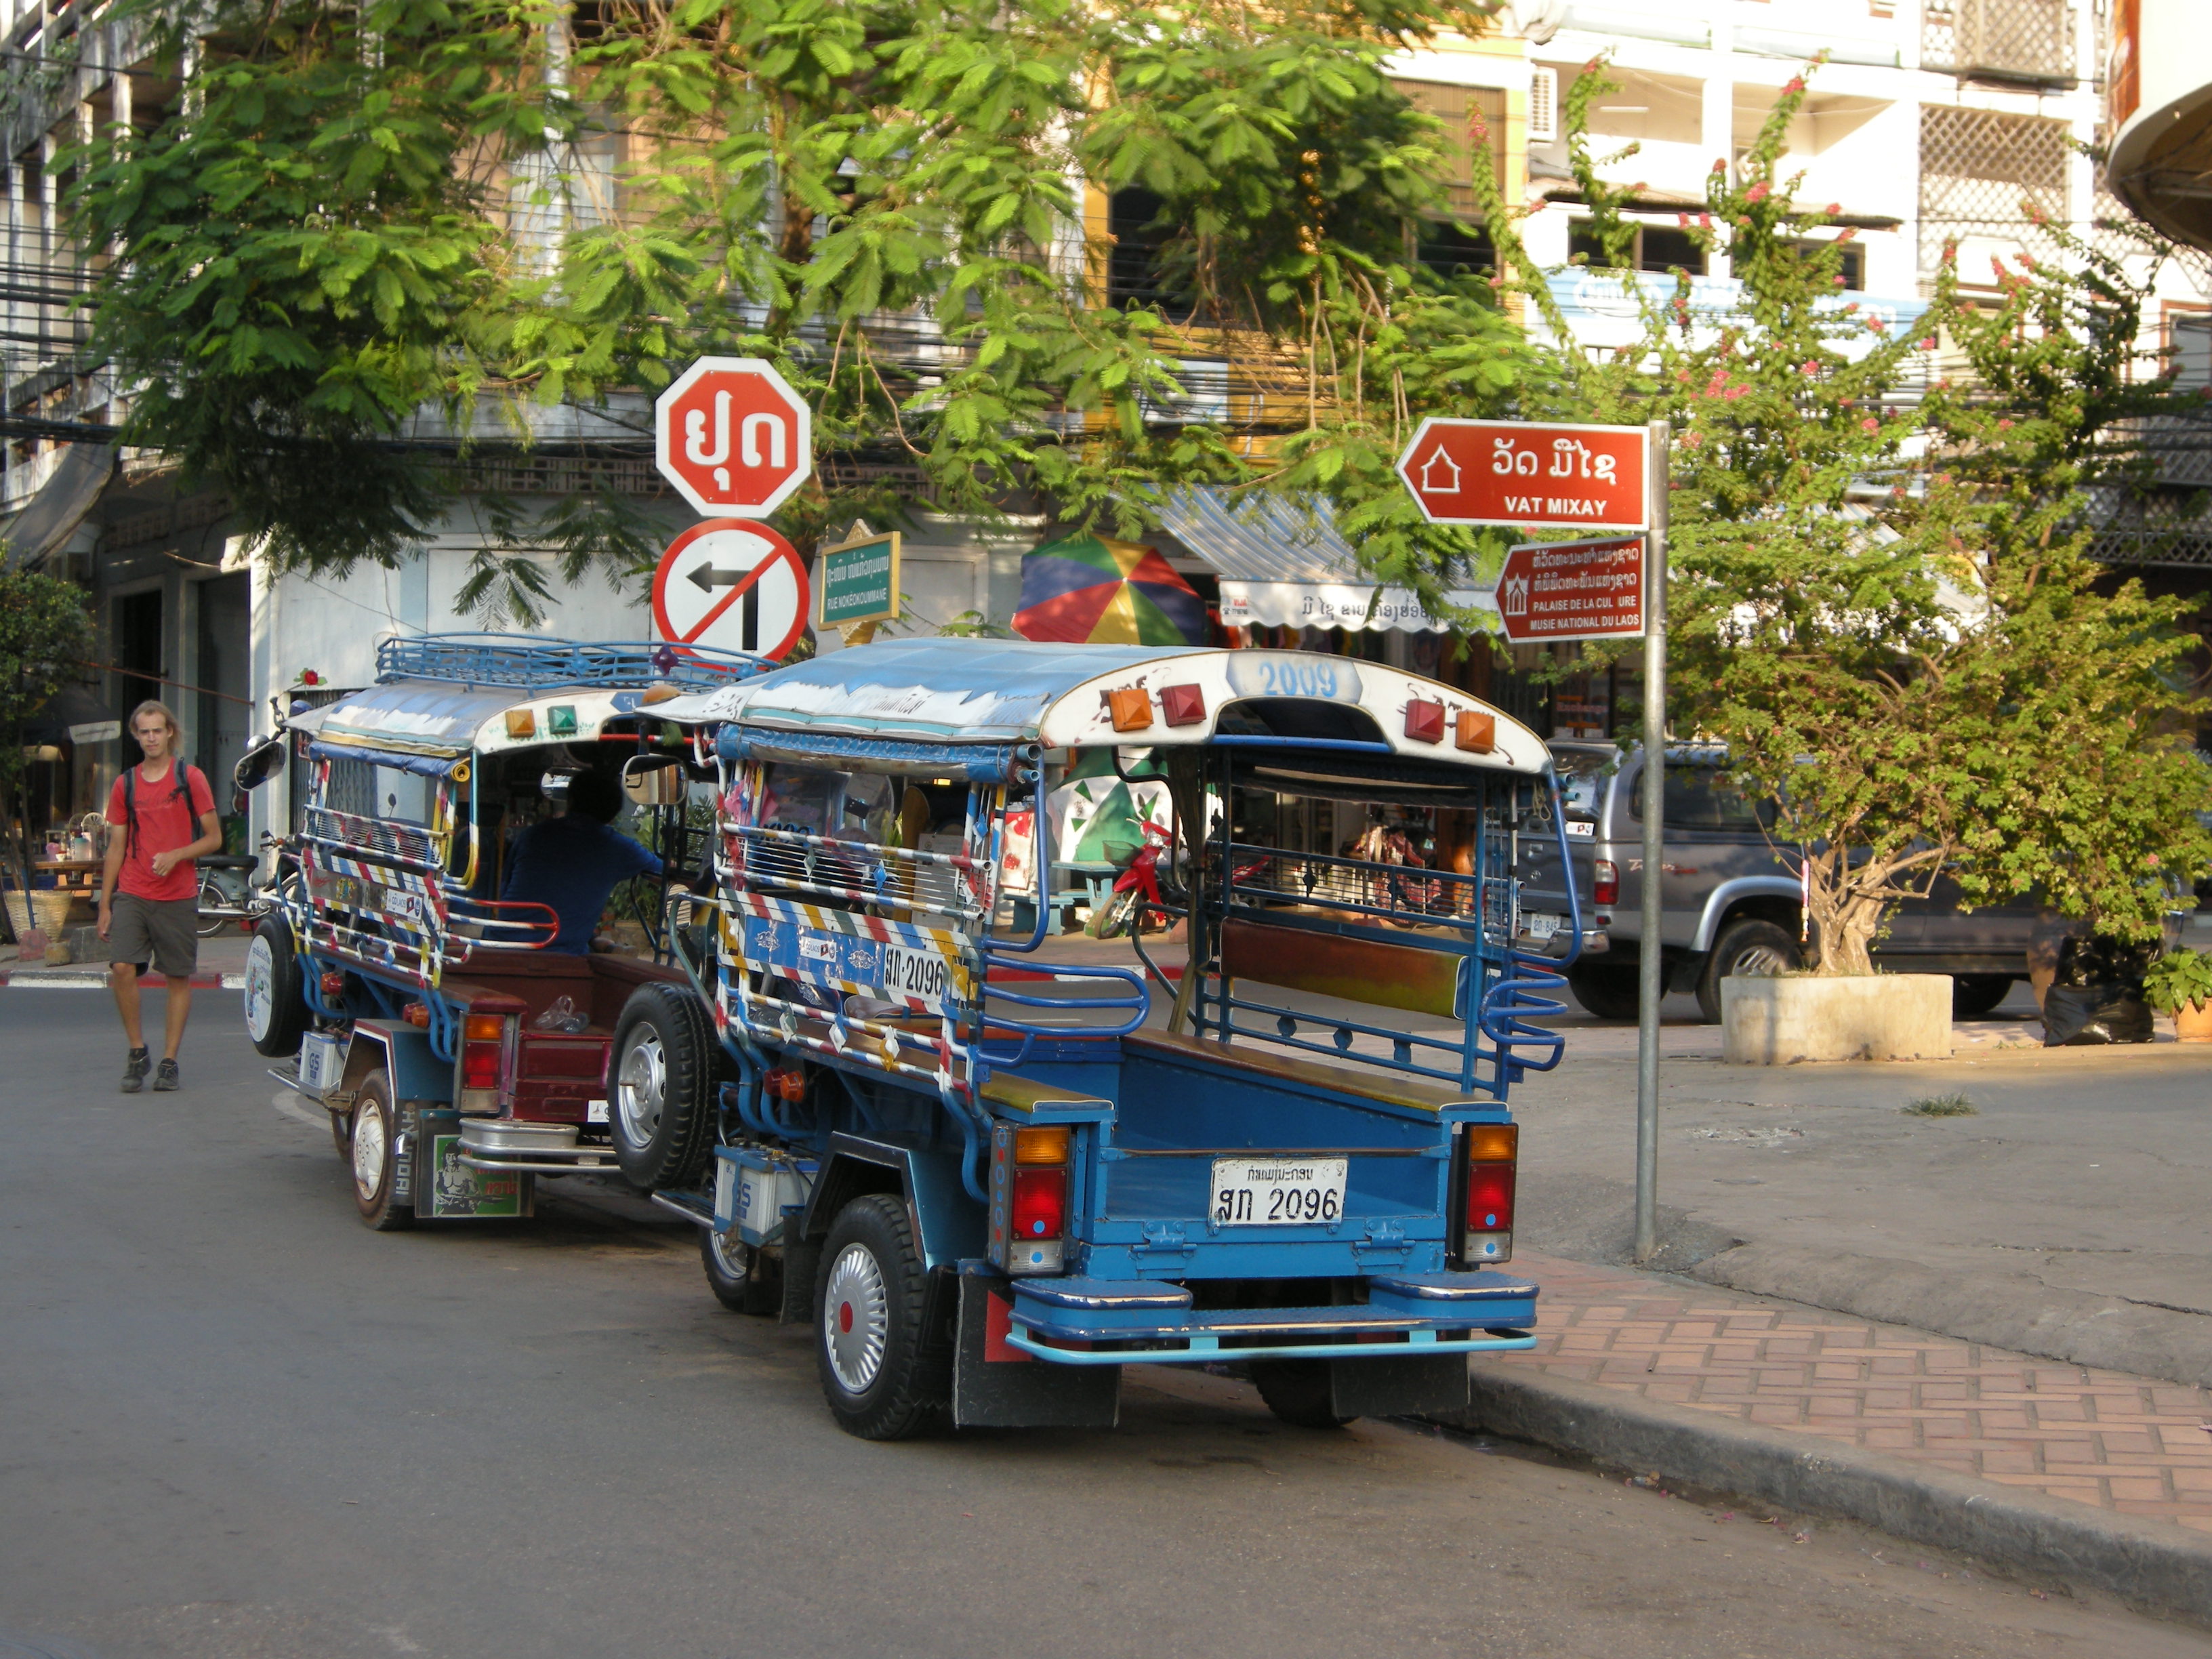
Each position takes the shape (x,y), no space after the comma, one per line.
(1650,970)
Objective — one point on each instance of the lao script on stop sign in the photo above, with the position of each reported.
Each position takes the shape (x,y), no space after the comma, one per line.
(1573,590)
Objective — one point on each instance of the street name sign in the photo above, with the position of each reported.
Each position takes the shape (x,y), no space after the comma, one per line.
(732,437)
(1528,475)
(731,585)
(858,581)
(1591,590)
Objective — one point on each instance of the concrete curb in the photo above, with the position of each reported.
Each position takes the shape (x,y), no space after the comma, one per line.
(91,978)
(2024,1316)
(2153,1564)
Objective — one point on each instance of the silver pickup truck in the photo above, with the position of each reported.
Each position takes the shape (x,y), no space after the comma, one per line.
(1732,903)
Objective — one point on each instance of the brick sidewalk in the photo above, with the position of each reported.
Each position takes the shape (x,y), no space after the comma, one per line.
(2123,1443)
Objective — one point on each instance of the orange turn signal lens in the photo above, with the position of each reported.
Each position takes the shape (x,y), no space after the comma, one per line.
(484,1028)
(1492,1143)
(1047,1145)
(521,725)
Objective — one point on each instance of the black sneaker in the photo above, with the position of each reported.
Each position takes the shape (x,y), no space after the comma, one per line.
(135,1068)
(164,1076)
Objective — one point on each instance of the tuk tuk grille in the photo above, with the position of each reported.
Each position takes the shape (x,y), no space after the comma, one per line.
(946,884)
(407,844)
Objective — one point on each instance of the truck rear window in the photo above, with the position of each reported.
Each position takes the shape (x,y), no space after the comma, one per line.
(1697,799)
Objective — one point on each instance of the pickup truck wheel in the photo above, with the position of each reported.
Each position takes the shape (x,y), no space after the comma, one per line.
(276,1005)
(1753,948)
(374,1153)
(1609,990)
(660,1087)
(743,1280)
(1298,1391)
(884,1375)
(1973,995)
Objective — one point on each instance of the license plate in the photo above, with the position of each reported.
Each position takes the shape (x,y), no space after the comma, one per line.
(1540,926)
(1276,1191)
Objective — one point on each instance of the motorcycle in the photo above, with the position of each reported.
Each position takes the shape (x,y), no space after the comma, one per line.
(1135,887)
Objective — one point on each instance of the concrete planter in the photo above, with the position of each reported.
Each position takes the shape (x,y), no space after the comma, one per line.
(1792,1017)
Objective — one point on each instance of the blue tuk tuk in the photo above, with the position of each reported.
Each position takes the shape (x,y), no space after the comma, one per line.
(990,1167)
(459,1058)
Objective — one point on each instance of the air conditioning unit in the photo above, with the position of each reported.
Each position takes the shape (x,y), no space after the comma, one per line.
(1543,106)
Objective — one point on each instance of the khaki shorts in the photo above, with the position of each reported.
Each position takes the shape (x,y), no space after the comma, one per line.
(164,930)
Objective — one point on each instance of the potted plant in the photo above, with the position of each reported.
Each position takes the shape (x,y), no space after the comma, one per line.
(2181,983)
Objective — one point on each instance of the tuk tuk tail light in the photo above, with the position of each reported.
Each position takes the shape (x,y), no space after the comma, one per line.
(1486,1192)
(483,1062)
(334,985)
(786,1084)
(1604,883)
(1030,1188)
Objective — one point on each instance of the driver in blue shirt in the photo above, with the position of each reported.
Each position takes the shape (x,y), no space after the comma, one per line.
(572,862)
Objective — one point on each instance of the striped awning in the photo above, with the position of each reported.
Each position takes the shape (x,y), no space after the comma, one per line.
(1284,564)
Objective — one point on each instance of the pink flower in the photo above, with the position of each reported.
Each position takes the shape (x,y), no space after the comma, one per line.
(2004,425)
(1720,166)
(1758,193)
(1794,84)
(1847,236)
(1734,391)
(1877,324)
(1849,308)
(1833,208)
(1869,424)
(2027,261)
(1692,440)
(1929,345)
(1683,220)
(2151,858)
(1812,368)
(1705,221)
(1743,220)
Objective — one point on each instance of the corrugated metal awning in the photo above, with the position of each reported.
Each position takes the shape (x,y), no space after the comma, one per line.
(1285,565)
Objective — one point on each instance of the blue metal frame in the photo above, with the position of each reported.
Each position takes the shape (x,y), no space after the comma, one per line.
(532,663)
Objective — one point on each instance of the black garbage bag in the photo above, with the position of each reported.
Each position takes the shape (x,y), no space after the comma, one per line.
(2101,960)
(2078,1016)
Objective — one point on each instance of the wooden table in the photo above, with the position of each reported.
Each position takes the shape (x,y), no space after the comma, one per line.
(80,878)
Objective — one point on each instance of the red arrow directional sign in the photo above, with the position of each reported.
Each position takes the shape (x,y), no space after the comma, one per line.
(1592,590)
(1512,473)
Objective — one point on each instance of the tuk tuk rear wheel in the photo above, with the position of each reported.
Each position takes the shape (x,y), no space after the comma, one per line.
(661,1073)
(1297,1392)
(885,1374)
(374,1150)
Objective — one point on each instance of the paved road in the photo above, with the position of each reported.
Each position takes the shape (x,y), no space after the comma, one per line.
(236,1424)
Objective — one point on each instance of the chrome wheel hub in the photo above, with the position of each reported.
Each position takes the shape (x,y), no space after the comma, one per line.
(371,1134)
(732,1255)
(1761,962)
(640,1087)
(856,1318)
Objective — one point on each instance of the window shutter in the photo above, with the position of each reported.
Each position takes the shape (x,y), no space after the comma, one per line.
(1544,106)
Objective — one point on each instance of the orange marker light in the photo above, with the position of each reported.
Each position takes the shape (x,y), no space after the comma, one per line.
(1044,1145)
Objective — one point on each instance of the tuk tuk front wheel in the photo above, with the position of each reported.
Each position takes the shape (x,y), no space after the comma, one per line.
(275,1003)
(885,1374)
(743,1279)
(373,1150)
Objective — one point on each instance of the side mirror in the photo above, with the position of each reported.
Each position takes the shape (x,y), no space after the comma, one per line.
(653,780)
(257,764)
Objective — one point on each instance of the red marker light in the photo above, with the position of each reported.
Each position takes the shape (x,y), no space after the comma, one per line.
(1490,1198)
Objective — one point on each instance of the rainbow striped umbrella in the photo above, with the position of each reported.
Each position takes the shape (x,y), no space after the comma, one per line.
(1092,589)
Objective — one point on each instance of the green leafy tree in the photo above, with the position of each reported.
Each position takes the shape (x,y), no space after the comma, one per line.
(351,216)
(1883,603)
(45,635)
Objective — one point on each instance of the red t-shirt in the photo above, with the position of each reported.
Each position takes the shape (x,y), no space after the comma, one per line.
(164,824)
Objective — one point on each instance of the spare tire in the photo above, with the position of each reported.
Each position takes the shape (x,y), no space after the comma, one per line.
(276,1001)
(662,1073)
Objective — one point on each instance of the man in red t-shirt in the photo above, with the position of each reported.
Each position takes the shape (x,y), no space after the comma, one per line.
(149,890)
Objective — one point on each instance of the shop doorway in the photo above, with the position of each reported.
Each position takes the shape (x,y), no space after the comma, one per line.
(222,721)
(139,666)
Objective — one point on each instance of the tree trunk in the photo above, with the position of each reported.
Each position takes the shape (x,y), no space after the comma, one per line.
(1844,916)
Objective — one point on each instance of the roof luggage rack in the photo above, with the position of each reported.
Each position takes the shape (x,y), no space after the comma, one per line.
(519,659)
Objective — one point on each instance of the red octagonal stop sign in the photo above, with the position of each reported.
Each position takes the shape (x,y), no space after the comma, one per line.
(734,437)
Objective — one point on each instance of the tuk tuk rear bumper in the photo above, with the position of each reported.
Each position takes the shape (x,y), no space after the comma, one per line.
(1088,1321)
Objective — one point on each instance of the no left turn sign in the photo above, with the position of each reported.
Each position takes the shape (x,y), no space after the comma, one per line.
(730,585)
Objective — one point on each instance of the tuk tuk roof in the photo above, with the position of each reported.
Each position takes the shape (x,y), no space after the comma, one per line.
(440,697)
(938,692)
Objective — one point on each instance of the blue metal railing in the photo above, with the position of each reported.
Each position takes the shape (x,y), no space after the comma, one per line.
(519,659)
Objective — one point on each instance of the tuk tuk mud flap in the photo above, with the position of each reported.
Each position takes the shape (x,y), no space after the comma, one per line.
(996,1386)
(447,1189)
